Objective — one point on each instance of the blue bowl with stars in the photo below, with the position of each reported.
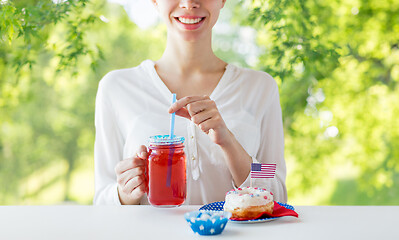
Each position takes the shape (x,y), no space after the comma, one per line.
(205,222)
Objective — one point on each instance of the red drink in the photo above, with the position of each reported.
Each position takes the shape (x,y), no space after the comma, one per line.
(166,171)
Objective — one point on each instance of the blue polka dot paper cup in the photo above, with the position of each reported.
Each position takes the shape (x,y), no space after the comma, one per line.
(207,222)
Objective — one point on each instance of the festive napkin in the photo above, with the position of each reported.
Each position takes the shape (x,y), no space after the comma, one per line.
(278,211)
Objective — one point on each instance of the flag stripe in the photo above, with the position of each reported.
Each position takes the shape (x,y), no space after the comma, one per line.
(263,170)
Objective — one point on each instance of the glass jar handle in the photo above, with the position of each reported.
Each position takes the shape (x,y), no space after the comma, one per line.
(146,172)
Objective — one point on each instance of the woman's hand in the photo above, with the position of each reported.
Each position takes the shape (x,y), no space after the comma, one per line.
(202,111)
(130,175)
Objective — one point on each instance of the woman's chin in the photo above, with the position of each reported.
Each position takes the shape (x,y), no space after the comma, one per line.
(192,36)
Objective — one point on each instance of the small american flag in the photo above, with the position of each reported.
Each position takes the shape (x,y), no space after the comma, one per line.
(259,170)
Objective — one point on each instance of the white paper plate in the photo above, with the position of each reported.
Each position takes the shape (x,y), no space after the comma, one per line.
(218,206)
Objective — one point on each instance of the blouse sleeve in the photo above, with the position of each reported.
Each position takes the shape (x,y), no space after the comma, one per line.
(271,149)
(108,149)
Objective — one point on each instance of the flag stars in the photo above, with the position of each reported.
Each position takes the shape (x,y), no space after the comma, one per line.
(201,227)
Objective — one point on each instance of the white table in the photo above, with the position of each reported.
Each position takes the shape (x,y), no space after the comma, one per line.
(146,222)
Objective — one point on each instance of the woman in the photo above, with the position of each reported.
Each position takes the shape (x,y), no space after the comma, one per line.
(229,116)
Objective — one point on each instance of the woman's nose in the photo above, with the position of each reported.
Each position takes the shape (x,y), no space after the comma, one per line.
(189,4)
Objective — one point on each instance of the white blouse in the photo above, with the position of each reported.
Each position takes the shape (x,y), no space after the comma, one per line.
(132,104)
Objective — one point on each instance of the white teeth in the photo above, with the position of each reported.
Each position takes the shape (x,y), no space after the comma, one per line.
(190,20)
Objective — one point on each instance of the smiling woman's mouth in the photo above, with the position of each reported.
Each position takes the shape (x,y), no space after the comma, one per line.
(189,20)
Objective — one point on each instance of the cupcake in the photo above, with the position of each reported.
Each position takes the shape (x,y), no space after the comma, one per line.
(207,222)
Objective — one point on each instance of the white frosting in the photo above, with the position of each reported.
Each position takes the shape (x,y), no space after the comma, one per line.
(246,197)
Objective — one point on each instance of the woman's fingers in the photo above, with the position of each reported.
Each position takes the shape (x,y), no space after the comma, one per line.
(124,177)
(135,187)
(133,183)
(189,106)
(139,159)
(200,106)
(183,102)
(139,191)
(130,174)
(183,112)
(209,124)
(199,109)
(203,111)
(204,116)
(142,152)
(128,164)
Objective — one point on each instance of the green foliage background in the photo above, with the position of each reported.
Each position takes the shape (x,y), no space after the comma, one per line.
(336,63)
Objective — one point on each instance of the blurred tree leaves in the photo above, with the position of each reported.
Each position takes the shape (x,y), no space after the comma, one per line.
(48,90)
(43,45)
(336,63)
(26,25)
